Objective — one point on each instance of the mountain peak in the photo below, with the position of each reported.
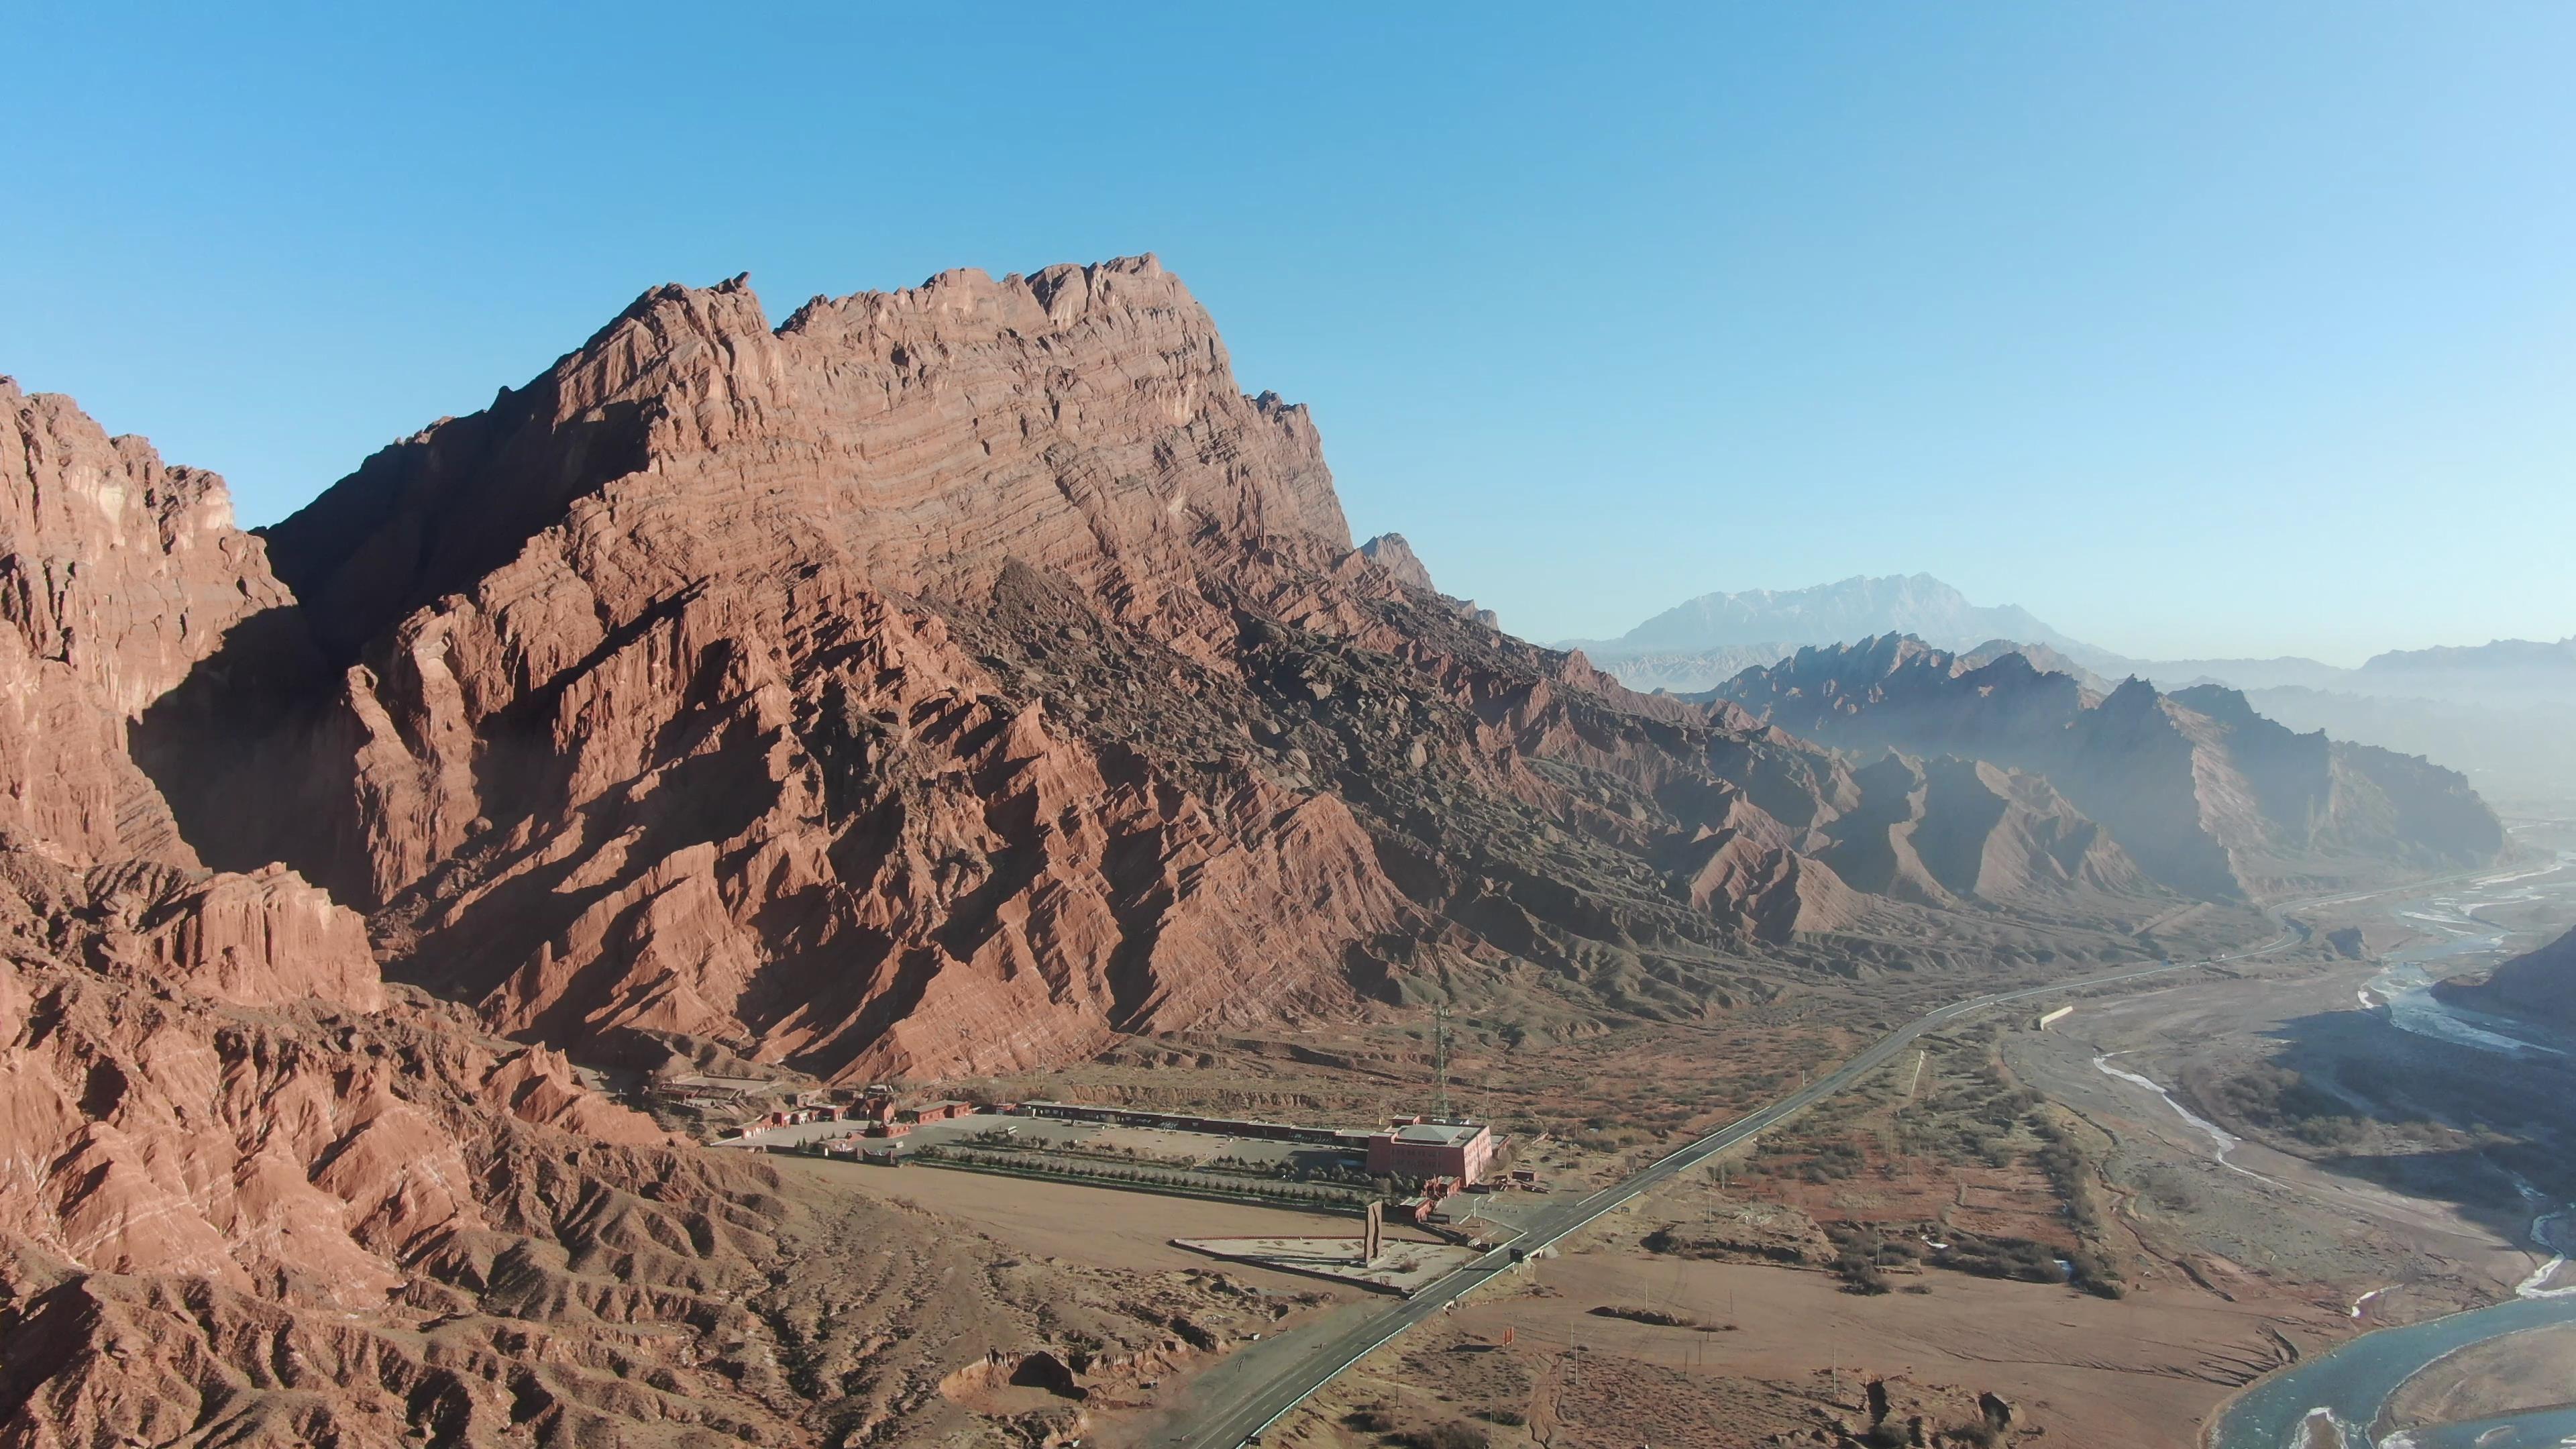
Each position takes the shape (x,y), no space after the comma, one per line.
(1390,552)
(935,432)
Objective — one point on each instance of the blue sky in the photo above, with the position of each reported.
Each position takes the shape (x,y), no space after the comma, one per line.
(2196,329)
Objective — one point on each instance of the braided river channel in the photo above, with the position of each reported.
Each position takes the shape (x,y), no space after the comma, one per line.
(2339,1399)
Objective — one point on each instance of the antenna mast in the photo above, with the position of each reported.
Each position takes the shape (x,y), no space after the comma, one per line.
(1440,1055)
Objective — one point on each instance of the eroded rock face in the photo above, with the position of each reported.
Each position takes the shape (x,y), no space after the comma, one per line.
(241,1182)
(118,574)
(309,1223)
(2205,796)
(1947,831)
(1084,420)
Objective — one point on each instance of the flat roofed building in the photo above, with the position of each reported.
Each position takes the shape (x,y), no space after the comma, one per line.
(1463,1150)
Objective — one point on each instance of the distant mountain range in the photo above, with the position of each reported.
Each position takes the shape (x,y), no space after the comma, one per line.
(2496,711)
(1856,608)
(2209,798)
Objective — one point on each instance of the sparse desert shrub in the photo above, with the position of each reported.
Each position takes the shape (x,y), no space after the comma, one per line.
(1862,1277)
(1655,1316)
(2094,1274)
(2284,1100)
(1370,1419)
(1857,1262)
(2169,1190)
(2018,1258)
(1508,1418)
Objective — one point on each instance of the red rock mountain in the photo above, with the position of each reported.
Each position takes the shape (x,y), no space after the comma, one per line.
(945,681)
(951,680)
(1948,831)
(121,574)
(257,1196)
(2207,797)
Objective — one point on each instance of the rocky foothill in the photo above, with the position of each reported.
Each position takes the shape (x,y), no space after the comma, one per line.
(2539,984)
(946,681)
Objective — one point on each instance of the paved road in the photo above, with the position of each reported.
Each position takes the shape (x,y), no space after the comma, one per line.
(1243,1410)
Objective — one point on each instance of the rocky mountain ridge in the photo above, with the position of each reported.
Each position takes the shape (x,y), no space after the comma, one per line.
(946,681)
(957,679)
(2209,798)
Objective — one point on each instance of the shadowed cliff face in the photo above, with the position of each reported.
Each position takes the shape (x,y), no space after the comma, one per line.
(1947,832)
(2207,797)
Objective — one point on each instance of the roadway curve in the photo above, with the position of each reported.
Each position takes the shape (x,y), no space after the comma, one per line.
(1243,1411)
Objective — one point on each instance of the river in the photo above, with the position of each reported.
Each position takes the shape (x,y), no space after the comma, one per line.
(2338,1397)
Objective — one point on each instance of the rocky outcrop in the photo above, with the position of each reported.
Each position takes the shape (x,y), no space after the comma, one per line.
(1948,832)
(306,1222)
(170,1134)
(118,574)
(2207,797)
(243,1183)
(1083,420)
(1390,552)
(2040,657)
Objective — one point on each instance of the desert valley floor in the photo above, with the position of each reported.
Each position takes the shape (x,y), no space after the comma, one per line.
(1721,1310)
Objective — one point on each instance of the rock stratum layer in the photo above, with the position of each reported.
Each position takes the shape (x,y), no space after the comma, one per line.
(2207,797)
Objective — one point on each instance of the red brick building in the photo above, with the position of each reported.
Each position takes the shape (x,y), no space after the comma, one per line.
(1463,1150)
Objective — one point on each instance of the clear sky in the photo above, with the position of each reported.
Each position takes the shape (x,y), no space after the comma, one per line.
(2195,328)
